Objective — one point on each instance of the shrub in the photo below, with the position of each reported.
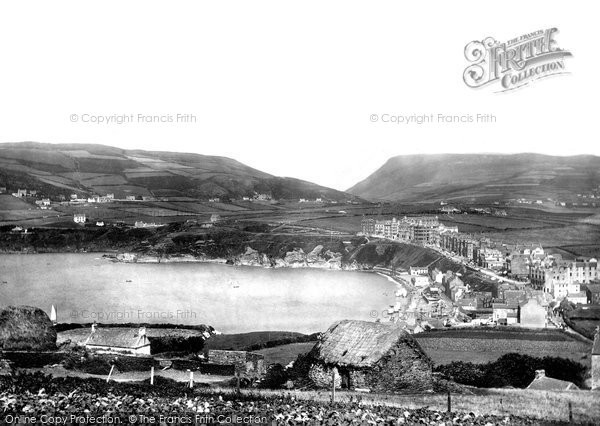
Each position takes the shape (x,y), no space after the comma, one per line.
(512,370)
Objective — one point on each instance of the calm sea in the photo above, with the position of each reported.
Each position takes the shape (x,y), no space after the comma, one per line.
(85,287)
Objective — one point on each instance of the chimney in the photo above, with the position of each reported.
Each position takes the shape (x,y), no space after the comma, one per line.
(540,373)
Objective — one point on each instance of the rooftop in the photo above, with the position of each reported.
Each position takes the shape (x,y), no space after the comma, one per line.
(541,382)
(118,337)
(358,343)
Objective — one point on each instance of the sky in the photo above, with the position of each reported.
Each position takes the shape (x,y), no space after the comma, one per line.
(290,88)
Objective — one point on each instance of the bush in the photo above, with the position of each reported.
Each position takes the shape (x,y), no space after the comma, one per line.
(512,370)
(275,378)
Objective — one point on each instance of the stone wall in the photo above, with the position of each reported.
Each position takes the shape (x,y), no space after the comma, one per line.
(321,376)
(404,367)
(245,362)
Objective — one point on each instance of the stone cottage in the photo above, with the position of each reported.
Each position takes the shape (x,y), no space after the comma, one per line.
(370,355)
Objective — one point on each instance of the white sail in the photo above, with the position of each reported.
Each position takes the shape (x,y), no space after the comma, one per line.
(53,314)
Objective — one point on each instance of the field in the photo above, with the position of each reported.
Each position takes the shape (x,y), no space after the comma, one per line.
(471,345)
(8,202)
(285,354)
(242,341)
(585,321)
(481,346)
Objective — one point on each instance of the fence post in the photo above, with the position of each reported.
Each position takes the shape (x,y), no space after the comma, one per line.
(570,412)
(152,375)
(112,367)
(333,385)
(449,403)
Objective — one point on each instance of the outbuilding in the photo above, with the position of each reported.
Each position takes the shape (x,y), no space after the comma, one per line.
(380,357)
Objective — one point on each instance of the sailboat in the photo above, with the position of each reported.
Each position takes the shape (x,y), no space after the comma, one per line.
(53,315)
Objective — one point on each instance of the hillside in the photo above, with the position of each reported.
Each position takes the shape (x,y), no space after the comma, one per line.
(55,169)
(480,176)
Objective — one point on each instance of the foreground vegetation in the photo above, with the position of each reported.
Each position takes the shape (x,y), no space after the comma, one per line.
(35,395)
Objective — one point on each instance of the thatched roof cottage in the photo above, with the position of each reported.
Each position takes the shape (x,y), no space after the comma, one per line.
(370,355)
(26,328)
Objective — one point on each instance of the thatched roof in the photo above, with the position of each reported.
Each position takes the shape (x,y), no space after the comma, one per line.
(358,343)
(117,337)
(26,328)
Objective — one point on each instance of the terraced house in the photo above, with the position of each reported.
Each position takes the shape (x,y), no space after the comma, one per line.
(564,278)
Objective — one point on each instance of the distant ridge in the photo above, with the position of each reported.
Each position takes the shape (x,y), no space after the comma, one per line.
(101,169)
(480,176)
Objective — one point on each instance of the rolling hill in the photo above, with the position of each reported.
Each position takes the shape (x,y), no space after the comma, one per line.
(480,176)
(97,169)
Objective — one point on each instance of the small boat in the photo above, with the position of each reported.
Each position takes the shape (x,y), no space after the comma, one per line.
(127,281)
(236,286)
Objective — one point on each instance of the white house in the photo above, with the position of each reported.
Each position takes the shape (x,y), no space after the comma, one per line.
(420,280)
(79,218)
(419,270)
(118,340)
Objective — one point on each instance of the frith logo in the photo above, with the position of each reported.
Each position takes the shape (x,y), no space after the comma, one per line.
(516,62)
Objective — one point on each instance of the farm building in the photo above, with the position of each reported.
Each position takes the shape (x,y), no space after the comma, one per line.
(596,361)
(242,361)
(26,328)
(118,340)
(542,382)
(370,355)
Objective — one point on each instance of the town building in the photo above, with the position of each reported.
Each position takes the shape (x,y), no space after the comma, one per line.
(505,313)
(418,270)
(592,292)
(420,280)
(578,298)
(123,340)
(533,314)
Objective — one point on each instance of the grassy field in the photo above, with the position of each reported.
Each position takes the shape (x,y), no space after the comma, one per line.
(286,353)
(242,341)
(481,346)
(585,321)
